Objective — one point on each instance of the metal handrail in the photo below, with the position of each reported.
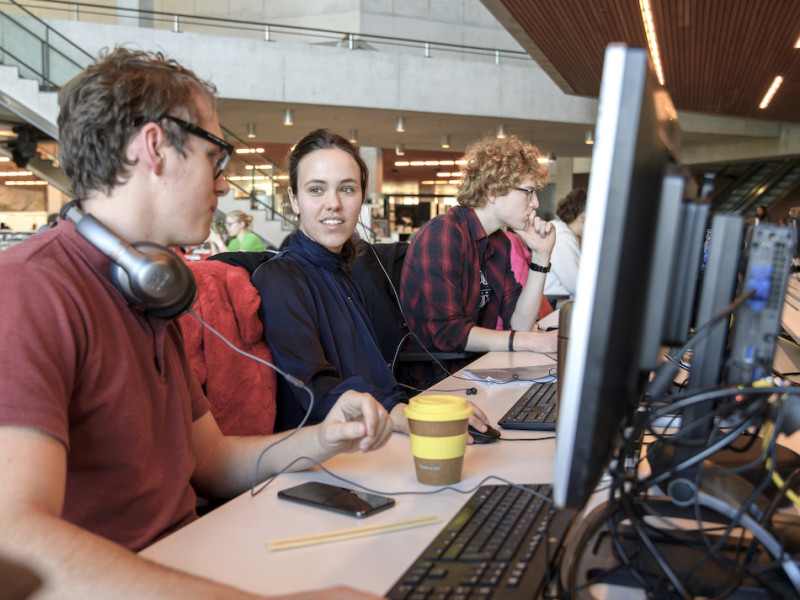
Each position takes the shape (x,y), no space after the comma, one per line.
(48,50)
(254,200)
(50,31)
(270,29)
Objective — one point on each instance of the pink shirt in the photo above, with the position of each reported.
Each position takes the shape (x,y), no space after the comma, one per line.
(520,258)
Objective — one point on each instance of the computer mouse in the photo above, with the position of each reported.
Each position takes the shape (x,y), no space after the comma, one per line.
(486,437)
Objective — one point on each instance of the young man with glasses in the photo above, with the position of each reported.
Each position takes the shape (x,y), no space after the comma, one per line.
(457,278)
(104,431)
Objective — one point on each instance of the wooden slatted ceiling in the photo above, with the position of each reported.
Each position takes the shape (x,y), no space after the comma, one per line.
(718,56)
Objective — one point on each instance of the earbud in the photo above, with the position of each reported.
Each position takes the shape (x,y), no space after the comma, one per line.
(145,273)
(472,391)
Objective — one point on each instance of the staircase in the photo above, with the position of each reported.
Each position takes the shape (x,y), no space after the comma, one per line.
(23,99)
(36,60)
(767,183)
(29,53)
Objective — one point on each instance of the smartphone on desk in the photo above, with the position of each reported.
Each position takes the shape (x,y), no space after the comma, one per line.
(337,499)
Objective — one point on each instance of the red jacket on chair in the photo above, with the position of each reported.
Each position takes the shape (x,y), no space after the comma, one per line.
(240,389)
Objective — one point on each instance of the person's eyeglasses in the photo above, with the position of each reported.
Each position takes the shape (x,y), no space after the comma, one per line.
(226,149)
(527,191)
(231,223)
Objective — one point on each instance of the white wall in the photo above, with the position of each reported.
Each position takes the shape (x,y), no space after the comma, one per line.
(303,73)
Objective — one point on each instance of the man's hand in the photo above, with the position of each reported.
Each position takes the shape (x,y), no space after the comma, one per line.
(545,342)
(540,237)
(356,422)
(478,420)
(398,416)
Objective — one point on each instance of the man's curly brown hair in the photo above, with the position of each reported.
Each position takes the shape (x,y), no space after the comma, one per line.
(495,166)
(103,107)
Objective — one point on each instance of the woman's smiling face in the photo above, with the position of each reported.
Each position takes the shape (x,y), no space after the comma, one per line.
(328,197)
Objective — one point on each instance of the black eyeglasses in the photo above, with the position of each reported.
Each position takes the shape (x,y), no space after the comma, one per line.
(527,191)
(226,149)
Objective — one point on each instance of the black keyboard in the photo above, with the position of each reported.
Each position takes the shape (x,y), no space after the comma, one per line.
(535,410)
(503,543)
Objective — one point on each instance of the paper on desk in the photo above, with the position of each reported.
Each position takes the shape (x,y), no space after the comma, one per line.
(540,373)
(550,321)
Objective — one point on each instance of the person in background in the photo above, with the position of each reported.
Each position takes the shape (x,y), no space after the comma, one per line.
(52,219)
(457,280)
(762,216)
(313,310)
(237,224)
(105,433)
(571,215)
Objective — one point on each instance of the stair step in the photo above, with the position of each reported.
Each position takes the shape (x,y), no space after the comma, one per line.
(24,98)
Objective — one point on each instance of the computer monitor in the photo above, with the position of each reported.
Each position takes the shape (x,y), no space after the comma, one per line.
(622,313)
(614,335)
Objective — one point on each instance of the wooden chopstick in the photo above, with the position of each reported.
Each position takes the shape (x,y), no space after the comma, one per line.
(348,534)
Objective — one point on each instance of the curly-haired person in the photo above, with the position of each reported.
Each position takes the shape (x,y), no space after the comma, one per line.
(457,278)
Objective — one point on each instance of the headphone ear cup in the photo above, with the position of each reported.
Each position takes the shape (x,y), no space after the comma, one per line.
(145,273)
(157,279)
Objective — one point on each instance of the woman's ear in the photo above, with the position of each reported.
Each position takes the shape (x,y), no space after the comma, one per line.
(293,200)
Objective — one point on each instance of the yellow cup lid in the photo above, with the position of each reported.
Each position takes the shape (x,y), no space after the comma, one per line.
(438,407)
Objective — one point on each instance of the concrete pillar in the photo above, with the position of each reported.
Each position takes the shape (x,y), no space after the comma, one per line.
(130,17)
(55,199)
(562,177)
(373,157)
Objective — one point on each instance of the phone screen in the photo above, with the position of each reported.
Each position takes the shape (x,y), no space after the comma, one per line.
(339,499)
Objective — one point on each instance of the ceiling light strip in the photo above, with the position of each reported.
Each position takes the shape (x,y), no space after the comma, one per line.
(776,83)
(650,30)
(429,163)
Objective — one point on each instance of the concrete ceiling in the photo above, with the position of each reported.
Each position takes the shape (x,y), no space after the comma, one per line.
(375,128)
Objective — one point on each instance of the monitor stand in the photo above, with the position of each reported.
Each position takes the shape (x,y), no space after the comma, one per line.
(662,532)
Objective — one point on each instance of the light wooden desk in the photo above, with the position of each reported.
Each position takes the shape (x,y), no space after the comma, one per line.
(228,544)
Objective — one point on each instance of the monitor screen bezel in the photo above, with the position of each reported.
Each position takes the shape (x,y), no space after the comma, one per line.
(636,144)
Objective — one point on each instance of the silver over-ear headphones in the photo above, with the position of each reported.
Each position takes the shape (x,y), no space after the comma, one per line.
(146,273)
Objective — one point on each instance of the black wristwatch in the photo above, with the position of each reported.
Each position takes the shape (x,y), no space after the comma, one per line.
(539,268)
